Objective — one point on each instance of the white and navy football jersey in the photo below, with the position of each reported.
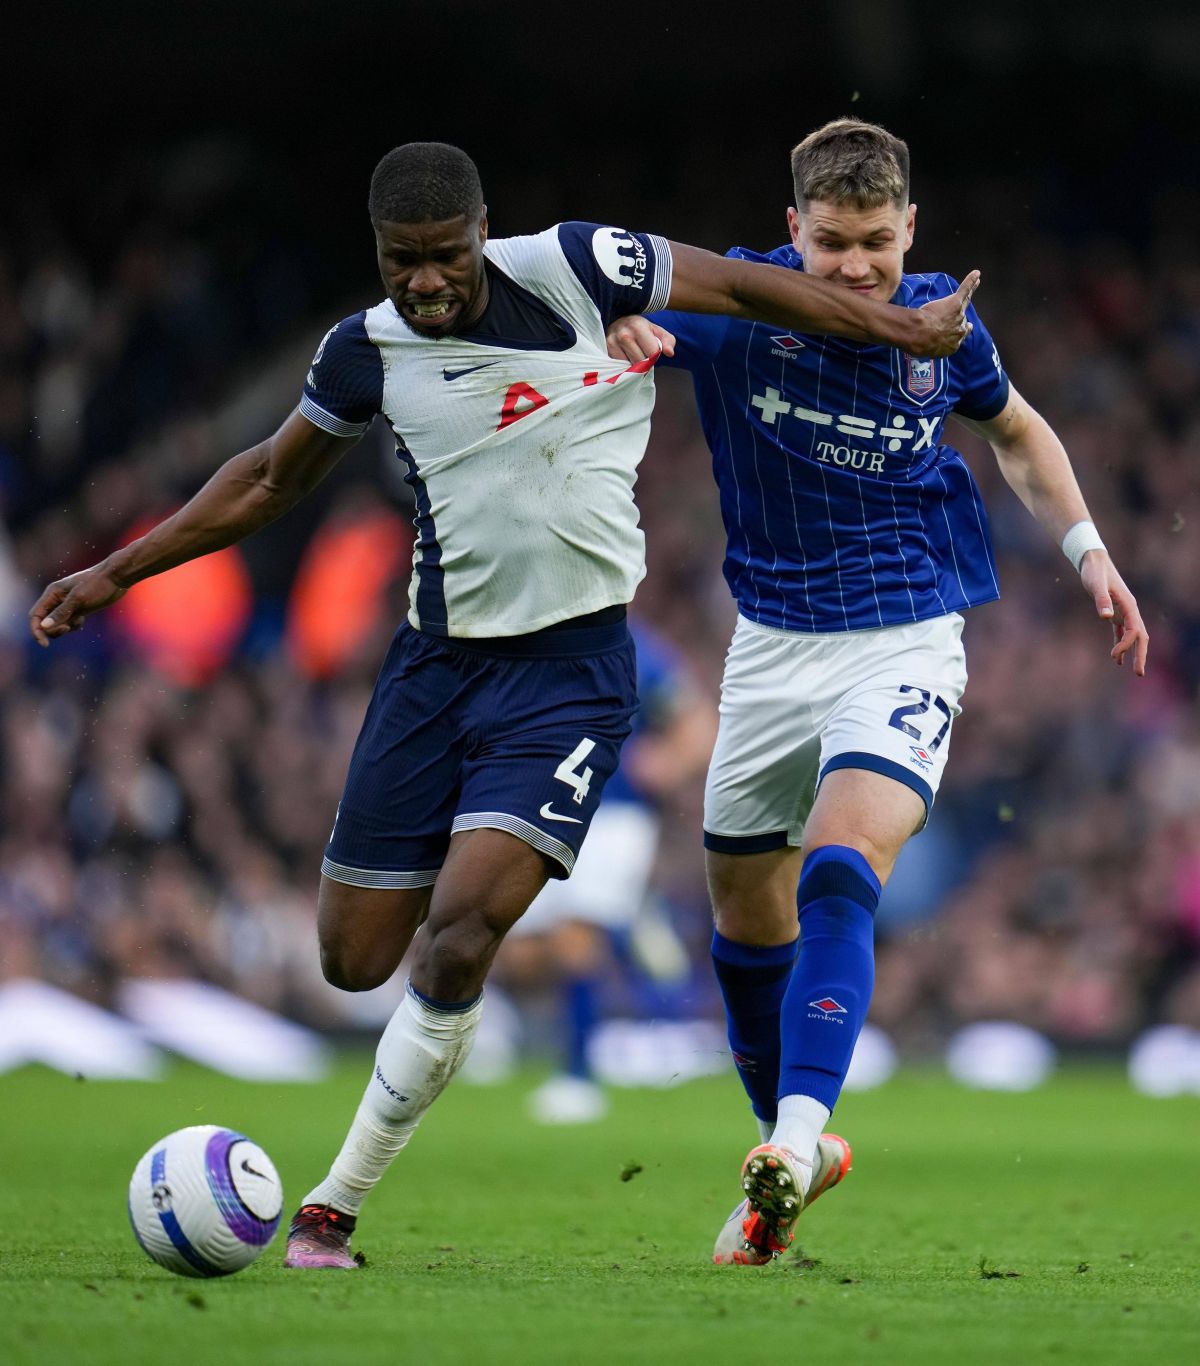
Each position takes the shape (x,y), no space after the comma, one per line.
(521,437)
(843,507)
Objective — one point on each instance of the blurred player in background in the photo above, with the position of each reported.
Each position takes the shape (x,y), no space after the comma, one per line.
(502,704)
(576,929)
(855,539)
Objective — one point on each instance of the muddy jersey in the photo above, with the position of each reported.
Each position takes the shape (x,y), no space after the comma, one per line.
(521,438)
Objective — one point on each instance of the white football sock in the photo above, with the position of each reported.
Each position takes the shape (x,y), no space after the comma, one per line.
(421,1049)
(801,1120)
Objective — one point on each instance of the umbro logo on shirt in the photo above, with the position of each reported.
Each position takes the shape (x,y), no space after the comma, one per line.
(786,345)
(470,370)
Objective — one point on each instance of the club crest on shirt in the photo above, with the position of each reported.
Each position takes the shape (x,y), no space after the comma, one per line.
(920,376)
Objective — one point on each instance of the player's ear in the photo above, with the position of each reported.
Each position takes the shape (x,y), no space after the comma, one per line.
(483,224)
(910,224)
(793,222)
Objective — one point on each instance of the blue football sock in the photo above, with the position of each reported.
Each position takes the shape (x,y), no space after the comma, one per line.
(753,981)
(830,987)
(582,1011)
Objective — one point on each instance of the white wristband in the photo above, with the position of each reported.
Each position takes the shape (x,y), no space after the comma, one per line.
(1081,538)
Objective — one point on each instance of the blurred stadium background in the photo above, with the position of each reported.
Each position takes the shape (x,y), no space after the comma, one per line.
(184,215)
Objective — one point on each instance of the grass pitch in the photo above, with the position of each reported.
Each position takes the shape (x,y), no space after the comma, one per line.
(1059,1226)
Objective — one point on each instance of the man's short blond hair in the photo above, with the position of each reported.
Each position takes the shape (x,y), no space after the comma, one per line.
(850,162)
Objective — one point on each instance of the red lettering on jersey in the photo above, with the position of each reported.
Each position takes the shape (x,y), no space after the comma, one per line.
(520,393)
(637,368)
(591,377)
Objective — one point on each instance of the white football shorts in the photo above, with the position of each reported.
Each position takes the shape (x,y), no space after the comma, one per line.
(611,876)
(794,707)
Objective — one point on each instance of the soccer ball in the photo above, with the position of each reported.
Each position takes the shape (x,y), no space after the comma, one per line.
(205,1201)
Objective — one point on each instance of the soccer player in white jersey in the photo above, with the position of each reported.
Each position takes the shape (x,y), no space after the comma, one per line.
(501,707)
(855,539)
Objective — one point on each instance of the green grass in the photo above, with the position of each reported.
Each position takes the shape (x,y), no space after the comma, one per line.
(492,1241)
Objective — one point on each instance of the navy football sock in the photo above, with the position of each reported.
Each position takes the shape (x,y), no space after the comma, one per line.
(581,1016)
(830,987)
(753,980)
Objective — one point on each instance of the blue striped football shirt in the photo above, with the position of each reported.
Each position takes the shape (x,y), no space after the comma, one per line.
(843,508)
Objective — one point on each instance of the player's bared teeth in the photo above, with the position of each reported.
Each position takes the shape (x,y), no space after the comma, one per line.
(434,310)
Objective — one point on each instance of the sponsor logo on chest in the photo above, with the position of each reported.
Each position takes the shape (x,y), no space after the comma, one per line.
(895,433)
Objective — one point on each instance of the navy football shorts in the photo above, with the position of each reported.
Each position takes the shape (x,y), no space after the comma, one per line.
(458,736)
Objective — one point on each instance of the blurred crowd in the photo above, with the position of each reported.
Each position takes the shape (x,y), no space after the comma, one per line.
(168,777)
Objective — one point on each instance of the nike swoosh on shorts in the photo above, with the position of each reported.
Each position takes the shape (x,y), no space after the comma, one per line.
(548,814)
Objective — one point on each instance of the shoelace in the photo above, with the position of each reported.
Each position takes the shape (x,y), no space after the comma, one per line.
(323,1220)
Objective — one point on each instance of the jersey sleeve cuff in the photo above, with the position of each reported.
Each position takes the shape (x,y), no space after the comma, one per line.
(664,267)
(984,412)
(336,426)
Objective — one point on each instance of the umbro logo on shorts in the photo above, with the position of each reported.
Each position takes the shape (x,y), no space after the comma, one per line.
(548,813)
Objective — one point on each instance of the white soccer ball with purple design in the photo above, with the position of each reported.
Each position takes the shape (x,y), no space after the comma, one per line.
(205,1201)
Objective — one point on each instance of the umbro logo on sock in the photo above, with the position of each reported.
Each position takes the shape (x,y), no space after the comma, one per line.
(828,1006)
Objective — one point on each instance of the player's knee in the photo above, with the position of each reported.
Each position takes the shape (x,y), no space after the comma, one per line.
(454,957)
(350,968)
(363,933)
(838,886)
(879,852)
(767,915)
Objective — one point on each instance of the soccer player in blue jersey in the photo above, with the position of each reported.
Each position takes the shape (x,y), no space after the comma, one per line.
(503,701)
(856,537)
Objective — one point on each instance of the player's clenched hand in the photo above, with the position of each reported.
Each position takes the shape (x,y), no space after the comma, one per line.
(636,339)
(946,326)
(66,603)
(1115,603)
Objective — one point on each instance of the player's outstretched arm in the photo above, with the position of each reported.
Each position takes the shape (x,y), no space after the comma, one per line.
(246,493)
(703,282)
(1038,470)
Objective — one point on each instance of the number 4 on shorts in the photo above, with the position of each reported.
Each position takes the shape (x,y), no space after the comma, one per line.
(567,772)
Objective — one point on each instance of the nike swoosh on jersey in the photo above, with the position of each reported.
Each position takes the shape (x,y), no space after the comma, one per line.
(470,370)
(548,814)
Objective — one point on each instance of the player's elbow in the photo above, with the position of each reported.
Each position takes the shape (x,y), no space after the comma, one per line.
(266,486)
